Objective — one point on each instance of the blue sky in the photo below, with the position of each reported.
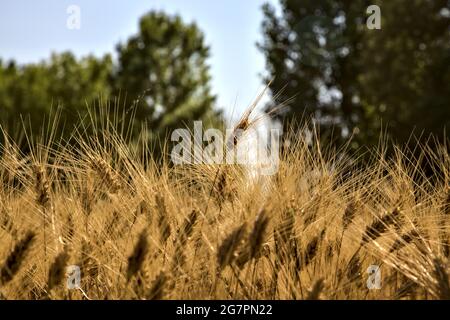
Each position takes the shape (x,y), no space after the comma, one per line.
(31,30)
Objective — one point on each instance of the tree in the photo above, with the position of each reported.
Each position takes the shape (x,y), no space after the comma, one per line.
(29,92)
(162,71)
(406,76)
(350,78)
(161,80)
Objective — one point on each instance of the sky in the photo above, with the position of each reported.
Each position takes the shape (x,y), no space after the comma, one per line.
(31,30)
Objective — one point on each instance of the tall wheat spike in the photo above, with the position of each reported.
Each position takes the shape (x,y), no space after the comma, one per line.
(285,236)
(315,291)
(227,249)
(349,215)
(107,175)
(163,220)
(57,271)
(380,225)
(15,259)
(255,240)
(404,240)
(312,248)
(156,291)
(184,234)
(7,223)
(137,258)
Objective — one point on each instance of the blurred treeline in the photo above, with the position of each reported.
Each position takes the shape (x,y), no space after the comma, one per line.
(327,64)
(324,62)
(159,80)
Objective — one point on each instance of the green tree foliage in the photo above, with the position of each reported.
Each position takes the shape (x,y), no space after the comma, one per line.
(351,79)
(32,93)
(160,78)
(406,75)
(162,71)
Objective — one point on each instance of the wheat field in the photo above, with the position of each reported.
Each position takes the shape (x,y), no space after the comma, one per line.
(145,229)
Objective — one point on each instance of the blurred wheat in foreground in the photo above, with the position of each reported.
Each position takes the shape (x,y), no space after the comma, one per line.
(142,229)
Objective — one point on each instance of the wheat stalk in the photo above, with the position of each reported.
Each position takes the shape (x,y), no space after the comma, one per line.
(156,291)
(107,175)
(228,247)
(57,270)
(312,248)
(314,293)
(380,225)
(137,258)
(15,259)
(163,220)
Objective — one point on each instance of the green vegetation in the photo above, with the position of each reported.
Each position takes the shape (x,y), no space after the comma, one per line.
(160,79)
(351,79)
